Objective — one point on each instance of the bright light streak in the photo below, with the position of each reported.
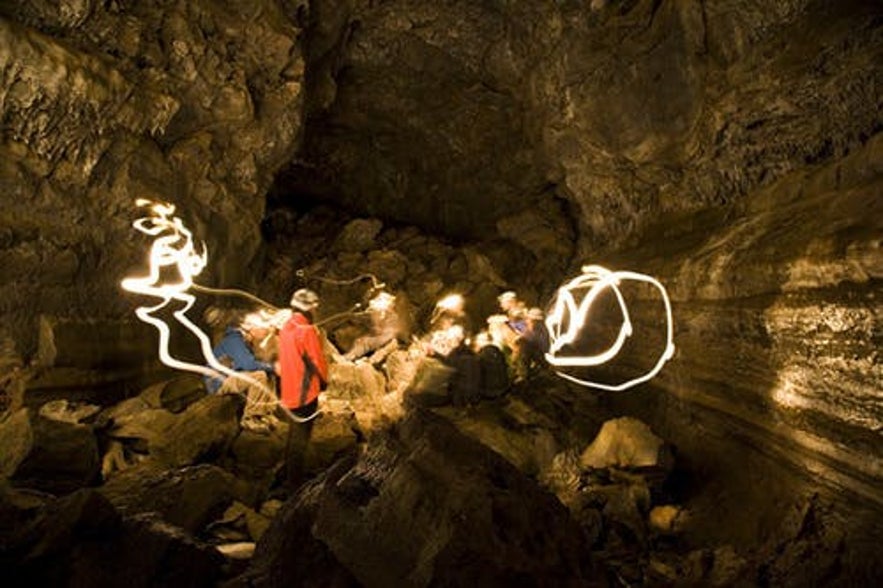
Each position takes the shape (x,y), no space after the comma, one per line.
(568,318)
(450,302)
(173,249)
(382,302)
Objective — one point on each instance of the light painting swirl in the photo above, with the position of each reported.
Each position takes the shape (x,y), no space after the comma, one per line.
(567,319)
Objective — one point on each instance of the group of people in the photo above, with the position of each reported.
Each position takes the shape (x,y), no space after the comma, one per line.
(294,356)
(256,360)
(511,348)
(277,360)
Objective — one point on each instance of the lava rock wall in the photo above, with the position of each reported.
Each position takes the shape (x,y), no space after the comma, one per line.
(193,103)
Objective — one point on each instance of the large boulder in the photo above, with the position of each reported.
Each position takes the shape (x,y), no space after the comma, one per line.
(625,443)
(81,540)
(203,432)
(424,505)
(47,454)
(188,498)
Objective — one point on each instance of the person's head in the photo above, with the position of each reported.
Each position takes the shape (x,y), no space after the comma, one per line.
(382,303)
(451,303)
(482,340)
(507,300)
(304,300)
(255,326)
(535,314)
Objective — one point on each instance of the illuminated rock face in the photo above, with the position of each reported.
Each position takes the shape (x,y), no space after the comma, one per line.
(729,148)
(777,332)
(196,102)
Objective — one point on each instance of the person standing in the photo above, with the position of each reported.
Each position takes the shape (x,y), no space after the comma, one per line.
(303,373)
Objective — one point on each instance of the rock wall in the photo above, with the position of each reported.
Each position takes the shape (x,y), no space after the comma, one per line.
(730,148)
(193,103)
(602,115)
(777,328)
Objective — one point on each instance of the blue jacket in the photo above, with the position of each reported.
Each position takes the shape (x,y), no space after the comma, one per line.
(235,353)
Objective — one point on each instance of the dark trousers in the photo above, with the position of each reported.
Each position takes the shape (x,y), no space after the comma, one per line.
(297,444)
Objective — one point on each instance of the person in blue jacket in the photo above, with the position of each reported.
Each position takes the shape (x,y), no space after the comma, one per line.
(236,351)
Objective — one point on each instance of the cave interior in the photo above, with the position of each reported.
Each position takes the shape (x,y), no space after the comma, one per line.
(730,149)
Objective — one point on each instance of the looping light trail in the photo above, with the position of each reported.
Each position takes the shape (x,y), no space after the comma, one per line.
(567,319)
(173,249)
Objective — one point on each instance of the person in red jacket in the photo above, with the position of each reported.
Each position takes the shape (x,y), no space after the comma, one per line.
(303,369)
(303,373)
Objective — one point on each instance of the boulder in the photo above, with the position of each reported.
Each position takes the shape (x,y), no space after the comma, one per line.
(332,435)
(203,432)
(47,454)
(81,540)
(175,394)
(68,412)
(624,443)
(429,387)
(256,458)
(358,235)
(189,498)
(424,505)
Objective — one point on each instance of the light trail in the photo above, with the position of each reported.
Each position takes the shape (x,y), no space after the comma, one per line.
(173,249)
(568,318)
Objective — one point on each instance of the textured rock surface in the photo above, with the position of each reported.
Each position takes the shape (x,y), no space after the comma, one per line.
(731,148)
(462,516)
(195,103)
(459,115)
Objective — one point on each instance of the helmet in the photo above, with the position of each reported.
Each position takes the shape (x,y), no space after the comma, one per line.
(535,314)
(304,299)
(506,296)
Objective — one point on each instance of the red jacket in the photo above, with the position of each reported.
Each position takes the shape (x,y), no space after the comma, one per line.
(303,369)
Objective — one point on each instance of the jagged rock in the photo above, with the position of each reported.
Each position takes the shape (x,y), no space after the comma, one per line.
(524,444)
(41,547)
(257,457)
(425,505)
(624,507)
(176,394)
(562,477)
(150,552)
(47,454)
(114,459)
(332,435)
(429,387)
(68,412)
(400,368)
(81,540)
(241,550)
(189,498)
(355,380)
(667,519)
(624,442)
(240,516)
(146,425)
(358,235)
(204,431)
(18,509)
(390,267)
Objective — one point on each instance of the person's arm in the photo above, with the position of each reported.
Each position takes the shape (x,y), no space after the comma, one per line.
(243,358)
(313,349)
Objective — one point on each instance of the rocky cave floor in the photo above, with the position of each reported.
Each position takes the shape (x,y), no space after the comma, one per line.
(545,486)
